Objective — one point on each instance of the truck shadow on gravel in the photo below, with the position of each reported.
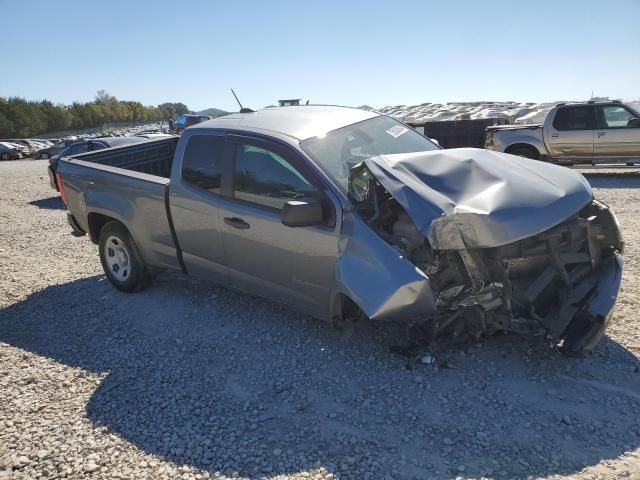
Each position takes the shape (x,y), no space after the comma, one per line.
(51,203)
(223,382)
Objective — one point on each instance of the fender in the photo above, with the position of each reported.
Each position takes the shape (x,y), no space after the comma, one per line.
(120,209)
(527,138)
(383,284)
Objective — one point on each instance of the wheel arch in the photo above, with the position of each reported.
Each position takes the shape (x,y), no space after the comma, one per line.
(345,308)
(97,220)
(528,146)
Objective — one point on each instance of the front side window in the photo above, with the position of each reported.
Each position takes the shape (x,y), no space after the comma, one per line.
(264,177)
(574,118)
(612,116)
(340,150)
(202,162)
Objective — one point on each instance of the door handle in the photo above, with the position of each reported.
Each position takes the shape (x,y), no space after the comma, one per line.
(236,222)
(555,135)
(601,134)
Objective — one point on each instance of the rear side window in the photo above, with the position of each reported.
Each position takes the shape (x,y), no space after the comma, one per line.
(97,146)
(79,148)
(574,118)
(202,162)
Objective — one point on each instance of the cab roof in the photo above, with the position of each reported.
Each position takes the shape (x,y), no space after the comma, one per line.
(591,102)
(299,122)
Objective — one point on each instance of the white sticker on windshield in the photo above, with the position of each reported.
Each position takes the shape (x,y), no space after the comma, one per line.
(397,130)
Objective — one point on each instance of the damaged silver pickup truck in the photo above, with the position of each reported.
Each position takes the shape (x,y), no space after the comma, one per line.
(348,214)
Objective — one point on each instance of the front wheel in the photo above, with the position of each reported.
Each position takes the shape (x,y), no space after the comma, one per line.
(121,260)
(4,156)
(44,156)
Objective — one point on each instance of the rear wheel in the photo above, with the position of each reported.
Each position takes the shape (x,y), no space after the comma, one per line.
(4,156)
(121,259)
(44,156)
(527,152)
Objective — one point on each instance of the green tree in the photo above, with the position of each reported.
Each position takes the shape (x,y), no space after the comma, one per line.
(22,118)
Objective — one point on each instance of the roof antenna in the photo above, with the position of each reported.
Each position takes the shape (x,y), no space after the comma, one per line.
(242,109)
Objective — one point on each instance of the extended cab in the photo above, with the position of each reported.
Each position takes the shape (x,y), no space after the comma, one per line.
(590,132)
(349,214)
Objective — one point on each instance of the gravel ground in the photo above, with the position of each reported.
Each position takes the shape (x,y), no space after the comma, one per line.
(186,380)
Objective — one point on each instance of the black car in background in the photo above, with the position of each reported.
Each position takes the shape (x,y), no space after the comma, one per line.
(77,147)
(54,149)
(185,121)
(9,151)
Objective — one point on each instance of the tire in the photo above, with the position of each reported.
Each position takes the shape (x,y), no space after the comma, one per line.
(45,156)
(527,152)
(4,156)
(121,260)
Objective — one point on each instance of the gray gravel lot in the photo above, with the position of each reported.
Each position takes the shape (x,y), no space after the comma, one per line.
(186,380)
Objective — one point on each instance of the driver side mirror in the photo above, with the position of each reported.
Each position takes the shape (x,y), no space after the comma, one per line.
(633,123)
(302,212)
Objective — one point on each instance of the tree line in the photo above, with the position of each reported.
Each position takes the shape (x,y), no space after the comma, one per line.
(20,118)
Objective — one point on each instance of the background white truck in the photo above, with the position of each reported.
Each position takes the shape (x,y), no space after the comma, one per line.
(588,132)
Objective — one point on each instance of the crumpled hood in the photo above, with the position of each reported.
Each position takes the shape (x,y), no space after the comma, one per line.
(473,198)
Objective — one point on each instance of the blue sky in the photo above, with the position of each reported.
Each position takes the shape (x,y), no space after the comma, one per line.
(352,53)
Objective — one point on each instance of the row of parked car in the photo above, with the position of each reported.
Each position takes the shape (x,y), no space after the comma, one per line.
(44,149)
(15,148)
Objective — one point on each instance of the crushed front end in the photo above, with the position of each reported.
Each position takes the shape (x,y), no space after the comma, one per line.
(559,284)
(562,283)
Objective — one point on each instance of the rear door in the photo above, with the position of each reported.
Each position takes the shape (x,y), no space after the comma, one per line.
(295,266)
(195,199)
(570,135)
(617,138)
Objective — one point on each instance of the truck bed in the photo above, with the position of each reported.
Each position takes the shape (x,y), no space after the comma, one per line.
(154,157)
(129,184)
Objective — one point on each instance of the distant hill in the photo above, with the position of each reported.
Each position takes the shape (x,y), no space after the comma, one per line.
(212,112)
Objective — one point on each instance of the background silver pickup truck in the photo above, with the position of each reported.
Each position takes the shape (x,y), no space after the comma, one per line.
(591,132)
(348,214)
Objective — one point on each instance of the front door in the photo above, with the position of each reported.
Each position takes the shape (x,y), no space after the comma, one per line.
(570,136)
(617,135)
(293,265)
(195,196)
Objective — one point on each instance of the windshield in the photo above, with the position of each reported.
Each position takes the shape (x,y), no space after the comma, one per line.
(340,150)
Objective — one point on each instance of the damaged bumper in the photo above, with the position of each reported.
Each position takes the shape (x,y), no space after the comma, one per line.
(591,315)
(562,283)
(504,245)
